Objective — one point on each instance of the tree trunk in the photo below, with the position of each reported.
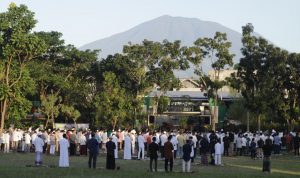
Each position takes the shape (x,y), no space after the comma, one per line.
(75,124)
(114,122)
(248,122)
(135,117)
(52,119)
(3,113)
(46,125)
(214,118)
(292,125)
(259,119)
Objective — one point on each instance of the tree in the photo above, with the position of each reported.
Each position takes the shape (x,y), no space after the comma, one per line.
(111,101)
(217,50)
(142,66)
(64,71)
(157,63)
(291,89)
(50,107)
(18,46)
(262,77)
(163,104)
(249,74)
(70,112)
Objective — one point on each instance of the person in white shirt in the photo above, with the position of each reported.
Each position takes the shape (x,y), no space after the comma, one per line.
(104,140)
(38,144)
(27,142)
(52,141)
(239,145)
(163,140)
(218,152)
(127,147)
(6,138)
(141,143)
(115,140)
(133,139)
(15,140)
(33,136)
(64,151)
(82,142)
(174,141)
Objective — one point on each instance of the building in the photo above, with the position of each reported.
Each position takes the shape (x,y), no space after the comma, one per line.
(191,102)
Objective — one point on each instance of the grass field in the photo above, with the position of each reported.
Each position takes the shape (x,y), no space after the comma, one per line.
(16,165)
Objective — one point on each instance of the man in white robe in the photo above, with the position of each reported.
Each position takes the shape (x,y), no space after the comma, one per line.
(127,147)
(141,143)
(133,138)
(38,145)
(218,152)
(64,152)
(104,140)
(6,138)
(115,140)
(52,143)
(27,142)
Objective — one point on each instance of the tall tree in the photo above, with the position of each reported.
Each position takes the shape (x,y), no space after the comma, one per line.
(141,66)
(18,46)
(50,107)
(111,101)
(262,75)
(157,63)
(291,89)
(216,50)
(64,72)
(249,72)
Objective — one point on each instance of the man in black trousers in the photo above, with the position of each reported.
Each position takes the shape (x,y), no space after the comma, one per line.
(153,149)
(93,147)
(110,156)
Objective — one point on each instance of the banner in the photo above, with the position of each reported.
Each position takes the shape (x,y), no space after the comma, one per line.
(64,126)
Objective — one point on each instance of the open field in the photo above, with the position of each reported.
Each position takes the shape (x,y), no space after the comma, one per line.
(16,165)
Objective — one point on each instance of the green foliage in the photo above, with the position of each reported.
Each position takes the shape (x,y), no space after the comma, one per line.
(143,66)
(70,112)
(18,46)
(65,71)
(267,77)
(163,103)
(238,111)
(216,50)
(111,102)
(50,107)
(183,122)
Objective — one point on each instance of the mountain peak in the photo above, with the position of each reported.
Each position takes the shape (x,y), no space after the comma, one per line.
(171,28)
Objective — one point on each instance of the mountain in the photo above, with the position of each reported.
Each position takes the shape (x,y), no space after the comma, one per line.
(171,28)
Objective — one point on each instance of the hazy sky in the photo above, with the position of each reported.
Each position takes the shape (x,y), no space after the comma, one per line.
(84,21)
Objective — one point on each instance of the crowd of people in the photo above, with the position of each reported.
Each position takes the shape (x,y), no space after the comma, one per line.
(208,146)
